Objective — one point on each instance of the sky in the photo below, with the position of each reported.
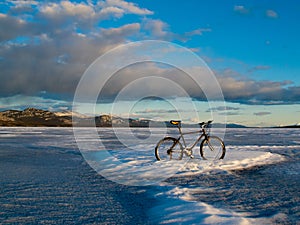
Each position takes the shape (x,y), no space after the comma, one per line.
(252,47)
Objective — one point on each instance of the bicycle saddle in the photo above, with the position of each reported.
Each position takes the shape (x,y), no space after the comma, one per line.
(175,122)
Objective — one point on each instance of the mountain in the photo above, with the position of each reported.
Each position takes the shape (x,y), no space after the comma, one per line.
(32,117)
(229,125)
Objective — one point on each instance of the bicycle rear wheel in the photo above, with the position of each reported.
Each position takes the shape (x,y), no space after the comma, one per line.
(212,148)
(168,148)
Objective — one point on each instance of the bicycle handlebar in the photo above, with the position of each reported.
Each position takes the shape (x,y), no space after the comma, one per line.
(205,124)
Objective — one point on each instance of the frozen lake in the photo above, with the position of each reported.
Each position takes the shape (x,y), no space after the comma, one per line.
(45,179)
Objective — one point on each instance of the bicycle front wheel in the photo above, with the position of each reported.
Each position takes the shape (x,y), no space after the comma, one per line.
(212,148)
(168,148)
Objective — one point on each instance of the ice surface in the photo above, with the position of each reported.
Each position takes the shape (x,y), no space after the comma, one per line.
(42,169)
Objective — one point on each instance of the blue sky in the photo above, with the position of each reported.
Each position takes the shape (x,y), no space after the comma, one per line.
(251,46)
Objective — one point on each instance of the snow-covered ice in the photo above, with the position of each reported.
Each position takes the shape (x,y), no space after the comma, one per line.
(256,183)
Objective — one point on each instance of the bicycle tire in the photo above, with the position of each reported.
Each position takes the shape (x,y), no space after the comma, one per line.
(212,148)
(168,148)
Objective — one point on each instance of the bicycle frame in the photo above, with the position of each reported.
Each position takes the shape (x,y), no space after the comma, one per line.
(189,148)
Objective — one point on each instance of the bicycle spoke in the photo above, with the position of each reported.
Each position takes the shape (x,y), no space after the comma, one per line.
(168,149)
(212,149)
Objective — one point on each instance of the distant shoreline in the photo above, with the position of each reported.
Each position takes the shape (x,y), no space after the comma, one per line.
(32,117)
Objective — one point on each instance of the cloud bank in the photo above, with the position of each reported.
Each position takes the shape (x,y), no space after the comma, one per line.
(45,47)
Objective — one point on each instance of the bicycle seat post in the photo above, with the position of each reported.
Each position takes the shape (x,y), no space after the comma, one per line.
(178,124)
(181,135)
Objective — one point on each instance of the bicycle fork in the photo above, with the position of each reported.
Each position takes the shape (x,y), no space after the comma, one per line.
(209,145)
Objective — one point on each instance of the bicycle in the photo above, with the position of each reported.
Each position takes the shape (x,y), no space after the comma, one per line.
(211,147)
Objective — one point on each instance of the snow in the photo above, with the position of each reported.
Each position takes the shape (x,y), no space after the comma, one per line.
(70,114)
(189,212)
(177,206)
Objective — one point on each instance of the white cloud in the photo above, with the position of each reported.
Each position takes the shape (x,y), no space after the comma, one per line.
(271,14)
(11,27)
(79,9)
(23,2)
(127,6)
(20,102)
(262,113)
(199,31)
(111,10)
(238,88)
(60,11)
(241,9)
(125,30)
(259,67)
(50,9)
(66,8)
(157,28)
